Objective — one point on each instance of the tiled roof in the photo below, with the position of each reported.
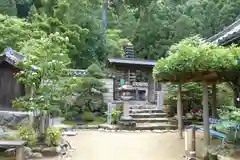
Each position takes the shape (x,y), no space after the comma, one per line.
(132,61)
(11,57)
(228,34)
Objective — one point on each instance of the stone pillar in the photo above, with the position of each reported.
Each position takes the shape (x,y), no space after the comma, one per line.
(151,89)
(109,120)
(20,153)
(160,100)
(125,110)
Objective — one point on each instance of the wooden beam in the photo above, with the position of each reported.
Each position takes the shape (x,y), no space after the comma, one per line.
(214,101)
(203,76)
(180,111)
(205,117)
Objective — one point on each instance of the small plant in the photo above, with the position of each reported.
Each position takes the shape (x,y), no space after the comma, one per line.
(88,116)
(115,116)
(27,133)
(53,136)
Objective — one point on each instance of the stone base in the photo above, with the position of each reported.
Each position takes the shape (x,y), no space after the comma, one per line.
(127,123)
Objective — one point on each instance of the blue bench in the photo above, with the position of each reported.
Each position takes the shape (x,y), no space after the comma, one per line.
(214,133)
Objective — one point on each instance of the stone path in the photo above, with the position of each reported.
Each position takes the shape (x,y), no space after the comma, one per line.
(95,145)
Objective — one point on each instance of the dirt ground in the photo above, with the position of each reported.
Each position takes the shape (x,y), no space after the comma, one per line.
(93,145)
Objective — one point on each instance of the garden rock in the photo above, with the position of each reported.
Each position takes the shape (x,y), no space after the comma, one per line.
(11,152)
(89,127)
(36,155)
(50,152)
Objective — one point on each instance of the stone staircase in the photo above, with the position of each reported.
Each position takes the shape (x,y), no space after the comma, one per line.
(150,118)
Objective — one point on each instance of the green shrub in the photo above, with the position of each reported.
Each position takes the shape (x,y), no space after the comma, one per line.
(115,115)
(88,116)
(72,123)
(53,136)
(120,108)
(98,120)
(27,133)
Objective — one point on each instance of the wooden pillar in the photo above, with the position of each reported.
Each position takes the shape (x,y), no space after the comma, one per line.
(20,153)
(205,117)
(180,111)
(214,101)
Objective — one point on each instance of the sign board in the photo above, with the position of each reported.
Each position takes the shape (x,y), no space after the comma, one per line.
(122,82)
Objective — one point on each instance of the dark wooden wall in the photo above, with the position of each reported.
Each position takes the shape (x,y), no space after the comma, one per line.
(9,88)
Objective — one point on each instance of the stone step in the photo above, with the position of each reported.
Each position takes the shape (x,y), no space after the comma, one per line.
(155,126)
(148,115)
(150,120)
(136,111)
(143,107)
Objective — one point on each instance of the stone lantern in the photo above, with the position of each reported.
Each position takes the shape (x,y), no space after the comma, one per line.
(126,95)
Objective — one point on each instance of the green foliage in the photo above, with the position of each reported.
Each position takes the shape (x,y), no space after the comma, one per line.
(69,123)
(229,113)
(27,133)
(15,31)
(8,7)
(88,91)
(225,95)
(49,55)
(97,121)
(53,136)
(192,55)
(151,26)
(95,71)
(88,116)
(115,116)
(114,43)
(191,92)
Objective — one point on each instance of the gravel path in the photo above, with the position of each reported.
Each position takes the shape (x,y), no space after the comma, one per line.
(94,145)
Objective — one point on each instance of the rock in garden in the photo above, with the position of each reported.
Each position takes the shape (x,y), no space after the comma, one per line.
(100,129)
(49,151)
(11,151)
(36,155)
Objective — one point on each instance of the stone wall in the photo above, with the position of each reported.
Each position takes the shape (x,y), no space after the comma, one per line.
(11,119)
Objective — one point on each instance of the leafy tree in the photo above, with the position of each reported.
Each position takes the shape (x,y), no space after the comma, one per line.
(88,93)
(71,19)
(49,55)
(15,31)
(8,7)
(192,55)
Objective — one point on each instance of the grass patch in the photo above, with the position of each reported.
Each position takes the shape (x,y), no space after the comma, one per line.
(98,120)
(4,156)
(72,123)
(7,158)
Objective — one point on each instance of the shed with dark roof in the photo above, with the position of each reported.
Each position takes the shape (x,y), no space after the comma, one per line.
(9,87)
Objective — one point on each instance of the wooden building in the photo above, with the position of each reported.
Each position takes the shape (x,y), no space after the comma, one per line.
(9,87)
(229,35)
(135,72)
